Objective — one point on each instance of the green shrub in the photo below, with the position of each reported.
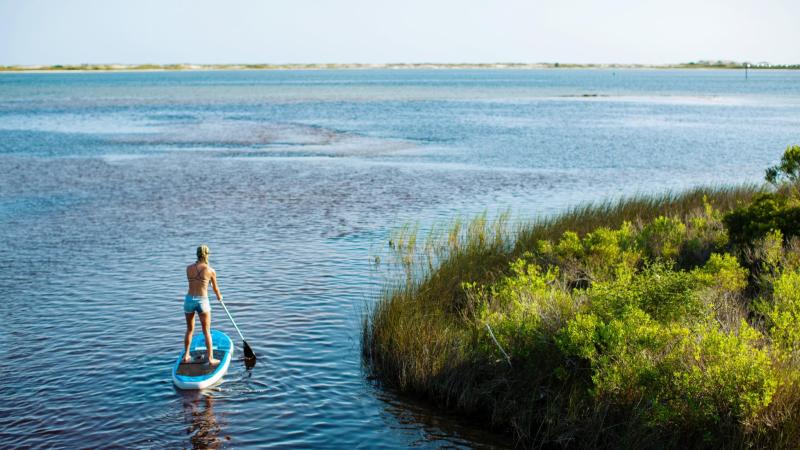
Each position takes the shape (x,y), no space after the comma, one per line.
(765,259)
(601,255)
(664,294)
(697,377)
(723,273)
(663,238)
(626,354)
(725,378)
(523,308)
(784,314)
(705,235)
(570,246)
(768,212)
(788,169)
(611,253)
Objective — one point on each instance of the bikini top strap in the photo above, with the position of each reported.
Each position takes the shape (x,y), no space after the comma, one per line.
(197,273)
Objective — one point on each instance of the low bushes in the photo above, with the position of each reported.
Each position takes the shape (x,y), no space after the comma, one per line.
(665,322)
(768,212)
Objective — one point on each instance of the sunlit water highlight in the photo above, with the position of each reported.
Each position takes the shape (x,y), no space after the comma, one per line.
(295,179)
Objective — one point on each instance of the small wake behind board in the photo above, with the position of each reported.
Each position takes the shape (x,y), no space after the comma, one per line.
(198,374)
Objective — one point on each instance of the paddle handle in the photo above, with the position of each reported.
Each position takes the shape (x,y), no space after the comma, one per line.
(232,321)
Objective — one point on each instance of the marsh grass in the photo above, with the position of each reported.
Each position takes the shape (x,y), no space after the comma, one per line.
(426,335)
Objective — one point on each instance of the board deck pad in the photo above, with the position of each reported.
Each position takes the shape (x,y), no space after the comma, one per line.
(198,374)
(199,367)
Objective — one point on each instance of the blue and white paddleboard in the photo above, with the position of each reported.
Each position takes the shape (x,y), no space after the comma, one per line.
(198,374)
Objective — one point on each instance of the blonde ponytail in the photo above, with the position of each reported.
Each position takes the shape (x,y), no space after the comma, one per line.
(202,254)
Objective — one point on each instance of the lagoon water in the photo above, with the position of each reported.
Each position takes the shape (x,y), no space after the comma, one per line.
(295,179)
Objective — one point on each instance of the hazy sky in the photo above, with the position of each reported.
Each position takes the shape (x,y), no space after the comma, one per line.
(374,31)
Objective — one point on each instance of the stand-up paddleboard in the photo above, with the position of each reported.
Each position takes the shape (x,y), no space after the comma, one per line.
(198,374)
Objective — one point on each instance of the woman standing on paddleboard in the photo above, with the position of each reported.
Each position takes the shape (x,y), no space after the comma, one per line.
(199,275)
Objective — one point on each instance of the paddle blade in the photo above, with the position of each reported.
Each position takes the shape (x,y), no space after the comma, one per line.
(248,352)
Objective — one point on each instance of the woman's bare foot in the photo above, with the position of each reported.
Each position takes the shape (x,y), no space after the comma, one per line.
(213,361)
(187,357)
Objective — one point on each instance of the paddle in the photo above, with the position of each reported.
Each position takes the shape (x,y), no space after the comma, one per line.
(248,352)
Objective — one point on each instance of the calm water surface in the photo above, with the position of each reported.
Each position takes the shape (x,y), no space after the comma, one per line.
(295,179)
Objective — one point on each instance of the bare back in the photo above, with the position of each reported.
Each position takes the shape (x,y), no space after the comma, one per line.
(199,275)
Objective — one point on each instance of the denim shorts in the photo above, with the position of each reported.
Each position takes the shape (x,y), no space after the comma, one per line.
(196,304)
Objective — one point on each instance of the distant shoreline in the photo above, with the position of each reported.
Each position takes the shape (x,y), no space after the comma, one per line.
(392,66)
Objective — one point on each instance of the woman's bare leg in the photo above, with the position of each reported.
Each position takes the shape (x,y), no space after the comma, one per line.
(205,321)
(187,340)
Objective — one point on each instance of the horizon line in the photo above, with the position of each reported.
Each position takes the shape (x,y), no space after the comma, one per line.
(725,64)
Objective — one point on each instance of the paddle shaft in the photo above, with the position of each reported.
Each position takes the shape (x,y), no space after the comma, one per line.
(232,321)
(248,352)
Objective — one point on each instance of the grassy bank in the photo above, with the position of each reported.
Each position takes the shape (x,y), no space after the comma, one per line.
(653,322)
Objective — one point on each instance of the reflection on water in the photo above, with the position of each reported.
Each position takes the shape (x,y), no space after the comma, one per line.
(203,426)
(295,180)
(426,426)
(249,363)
